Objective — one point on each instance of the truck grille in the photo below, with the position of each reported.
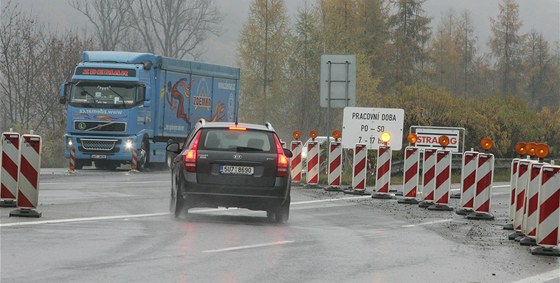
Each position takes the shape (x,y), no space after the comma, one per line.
(99,126)
(98,144)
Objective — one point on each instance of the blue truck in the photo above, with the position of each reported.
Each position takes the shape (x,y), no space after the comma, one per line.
(120,101)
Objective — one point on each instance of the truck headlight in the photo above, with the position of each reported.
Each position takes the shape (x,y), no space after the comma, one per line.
(128,144)
(69,142)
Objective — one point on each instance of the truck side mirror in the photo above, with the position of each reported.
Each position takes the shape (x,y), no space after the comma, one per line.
(62,93)
(146,96)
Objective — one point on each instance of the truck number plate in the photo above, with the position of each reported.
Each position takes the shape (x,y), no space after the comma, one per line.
(239,170)
(99,156)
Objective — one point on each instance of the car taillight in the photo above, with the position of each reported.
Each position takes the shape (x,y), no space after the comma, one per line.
(189,159)
(282,161)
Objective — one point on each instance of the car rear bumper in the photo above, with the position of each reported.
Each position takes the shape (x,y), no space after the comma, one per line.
(254,198)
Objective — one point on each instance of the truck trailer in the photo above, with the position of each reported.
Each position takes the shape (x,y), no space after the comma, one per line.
(121,101)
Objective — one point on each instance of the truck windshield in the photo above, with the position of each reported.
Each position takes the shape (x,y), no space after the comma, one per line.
(104,95)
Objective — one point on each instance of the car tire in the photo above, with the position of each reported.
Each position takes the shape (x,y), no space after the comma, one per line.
(282,213)
(177,205)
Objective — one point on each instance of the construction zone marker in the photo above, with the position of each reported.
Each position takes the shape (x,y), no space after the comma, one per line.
(359,171)
(547,237)
(28,185)
(10,168)
(468,178)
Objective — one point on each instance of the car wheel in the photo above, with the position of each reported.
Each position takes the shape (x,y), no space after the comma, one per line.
(282,213)
(178,203)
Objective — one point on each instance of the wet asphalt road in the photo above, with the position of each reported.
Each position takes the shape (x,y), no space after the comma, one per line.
(101,226)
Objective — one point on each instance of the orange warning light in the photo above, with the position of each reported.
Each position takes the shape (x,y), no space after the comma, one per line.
(542,150)
(296,135)
(486,143)
(412,138)
(531,149)
(521,148)
(443,140)
(313,134)
(336,134)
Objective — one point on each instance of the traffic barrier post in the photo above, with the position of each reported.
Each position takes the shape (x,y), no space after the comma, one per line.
(530,221)
(312,175)
(28,185)
(72,161)
(334,169)
(383,176)
(10,168)
(296,164)
(513,185)
(483,192)
(134,161)
(359,171)
(443,181)
(428,177)
(548,230)
(410,175)
(522,183)
(468,176)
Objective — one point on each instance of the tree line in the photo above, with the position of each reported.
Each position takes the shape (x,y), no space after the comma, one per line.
(440,76)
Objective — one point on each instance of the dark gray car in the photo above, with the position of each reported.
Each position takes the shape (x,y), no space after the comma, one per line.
(231,165)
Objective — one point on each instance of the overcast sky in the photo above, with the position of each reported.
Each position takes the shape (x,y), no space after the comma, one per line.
(541,15)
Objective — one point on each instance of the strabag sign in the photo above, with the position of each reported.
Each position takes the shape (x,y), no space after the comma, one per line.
(428,137)
(365,125)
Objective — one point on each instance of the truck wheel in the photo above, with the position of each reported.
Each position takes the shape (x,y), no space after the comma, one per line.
(169,159)
(79,165)
(145,162)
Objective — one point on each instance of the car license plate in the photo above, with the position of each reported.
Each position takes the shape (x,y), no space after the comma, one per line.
(239,170)
(99,156)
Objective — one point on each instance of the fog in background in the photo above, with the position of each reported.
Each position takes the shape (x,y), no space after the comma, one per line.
(541,15)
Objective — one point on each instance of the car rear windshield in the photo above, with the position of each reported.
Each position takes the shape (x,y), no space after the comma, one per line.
(236,140)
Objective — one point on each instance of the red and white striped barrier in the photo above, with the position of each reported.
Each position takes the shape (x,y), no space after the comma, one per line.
(529,227)
(383,176)
(28,185)
(548,231)
(468,176)
(359,170)
(521,188)
(335,165)
(72,161)
(312,176)
(483,193)
(296,163)
(283,144)
(428,177)
(10,169)
(410,175)
(513,185)
(134,161)
(443,181)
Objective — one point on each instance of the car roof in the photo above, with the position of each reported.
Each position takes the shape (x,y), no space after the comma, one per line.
(266,127)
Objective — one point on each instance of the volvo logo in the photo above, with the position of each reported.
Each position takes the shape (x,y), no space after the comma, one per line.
(237,156)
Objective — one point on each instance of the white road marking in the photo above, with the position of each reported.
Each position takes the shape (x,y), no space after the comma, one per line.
(543,277)
(249,247)
(69,220)
(427,223)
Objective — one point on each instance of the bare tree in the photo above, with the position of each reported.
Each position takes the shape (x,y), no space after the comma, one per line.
(175,28)
(109,19)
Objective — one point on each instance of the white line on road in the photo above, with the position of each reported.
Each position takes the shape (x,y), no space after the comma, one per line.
(249,247)
(57,221)
(427,223)
(543,277)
